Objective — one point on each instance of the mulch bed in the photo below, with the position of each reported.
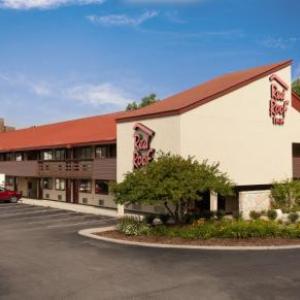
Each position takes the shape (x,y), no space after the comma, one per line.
(211,242)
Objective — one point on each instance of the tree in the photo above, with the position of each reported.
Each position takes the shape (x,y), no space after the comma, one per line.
(144,102)
(173,181)
(296,86)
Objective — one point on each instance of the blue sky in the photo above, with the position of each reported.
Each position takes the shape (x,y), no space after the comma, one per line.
(64,59)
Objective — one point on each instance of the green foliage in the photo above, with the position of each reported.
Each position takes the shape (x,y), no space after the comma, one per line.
(296,86)
(220,214)
(133,226)
(293,217)
(173,181)
(272,214)
(144,102)
(164,218)
(254,215)
(286,194)
(229,229)
(149,218)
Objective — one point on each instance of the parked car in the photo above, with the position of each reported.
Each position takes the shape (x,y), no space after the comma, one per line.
(7,195)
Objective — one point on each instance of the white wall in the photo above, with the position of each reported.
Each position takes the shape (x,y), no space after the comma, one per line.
(236,131)
(167,138)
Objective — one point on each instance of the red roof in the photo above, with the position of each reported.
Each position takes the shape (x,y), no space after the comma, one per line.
(102,129)
(203,93)
(296,101)
(98,129)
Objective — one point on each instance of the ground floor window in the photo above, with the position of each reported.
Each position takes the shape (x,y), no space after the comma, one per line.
(85,186)
(10,182)
(60,184)
(101,187)
(47,183)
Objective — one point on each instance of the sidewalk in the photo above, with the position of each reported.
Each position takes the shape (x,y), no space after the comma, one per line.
(72,207)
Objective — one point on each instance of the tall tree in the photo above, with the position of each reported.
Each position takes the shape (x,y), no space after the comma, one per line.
(296,86)
(147,100)
(172,181)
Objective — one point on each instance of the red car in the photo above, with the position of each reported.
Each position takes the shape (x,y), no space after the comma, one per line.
(11,196)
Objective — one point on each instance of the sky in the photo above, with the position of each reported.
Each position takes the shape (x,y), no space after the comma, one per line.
(66,59)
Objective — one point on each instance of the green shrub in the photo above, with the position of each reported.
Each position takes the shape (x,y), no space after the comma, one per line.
(254,215)
(286,194)
(149,218)
(164,218)
(220,214)
(131,225)
(237,215)
(272,214)
(293,217)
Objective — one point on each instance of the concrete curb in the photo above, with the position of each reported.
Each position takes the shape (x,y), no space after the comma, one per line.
(80,208)
(90,233)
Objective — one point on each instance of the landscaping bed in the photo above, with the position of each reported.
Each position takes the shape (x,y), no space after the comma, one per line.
(115,234)
(208,232)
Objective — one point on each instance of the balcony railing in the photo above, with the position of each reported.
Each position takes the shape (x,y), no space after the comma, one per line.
(28,168)
(97,169)
(93,169)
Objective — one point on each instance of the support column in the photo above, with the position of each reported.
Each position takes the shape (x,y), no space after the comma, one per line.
(120,210)
(213,201)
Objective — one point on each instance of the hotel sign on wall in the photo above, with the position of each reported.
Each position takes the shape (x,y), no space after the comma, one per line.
(143,153)
(278,102)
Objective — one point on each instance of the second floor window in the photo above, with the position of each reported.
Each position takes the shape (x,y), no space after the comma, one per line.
(47,155)
(83,153)
(106,151)
(19,156)
(60,154)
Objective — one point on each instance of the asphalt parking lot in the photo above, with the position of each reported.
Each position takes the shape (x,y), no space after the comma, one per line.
(43,257)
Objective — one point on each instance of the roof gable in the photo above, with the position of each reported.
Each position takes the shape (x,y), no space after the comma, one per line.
(203,93)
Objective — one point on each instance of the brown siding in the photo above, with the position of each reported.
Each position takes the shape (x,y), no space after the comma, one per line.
(105,169)
(19,168)
(71,169)
(296,167)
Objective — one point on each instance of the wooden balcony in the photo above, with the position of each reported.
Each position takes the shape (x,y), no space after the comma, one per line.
(28,168)
(296,167)
(96,169)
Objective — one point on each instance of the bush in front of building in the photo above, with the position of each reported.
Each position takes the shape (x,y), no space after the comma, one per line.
(173,181)
(272,214)
(132,225)
(286,194)
(254,215)
(293,217)
(225,229)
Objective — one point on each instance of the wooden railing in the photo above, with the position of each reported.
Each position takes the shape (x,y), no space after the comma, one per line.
(28,168)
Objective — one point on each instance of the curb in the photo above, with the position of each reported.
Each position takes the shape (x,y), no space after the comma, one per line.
(90,233)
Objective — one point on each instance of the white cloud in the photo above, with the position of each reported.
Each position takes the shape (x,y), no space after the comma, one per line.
(279,43)
(44,4)
(122,20)
(100,94)
(164,1)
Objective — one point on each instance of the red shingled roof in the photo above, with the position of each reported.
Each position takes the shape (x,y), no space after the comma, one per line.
(203,93)
(98,129)
(296,101)
(102,129)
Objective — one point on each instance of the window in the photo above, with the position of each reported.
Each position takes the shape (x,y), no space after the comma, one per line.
(60,154)
(10,182)
(47,155)
(10,156)
(47,183)
(101,187)
(106,151)
(19,156)
(83,153)
(32,155)
(60,184)
(85,186)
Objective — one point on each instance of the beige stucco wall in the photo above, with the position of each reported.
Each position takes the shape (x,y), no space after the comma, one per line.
(53,195)
(167,138)
(236,131)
